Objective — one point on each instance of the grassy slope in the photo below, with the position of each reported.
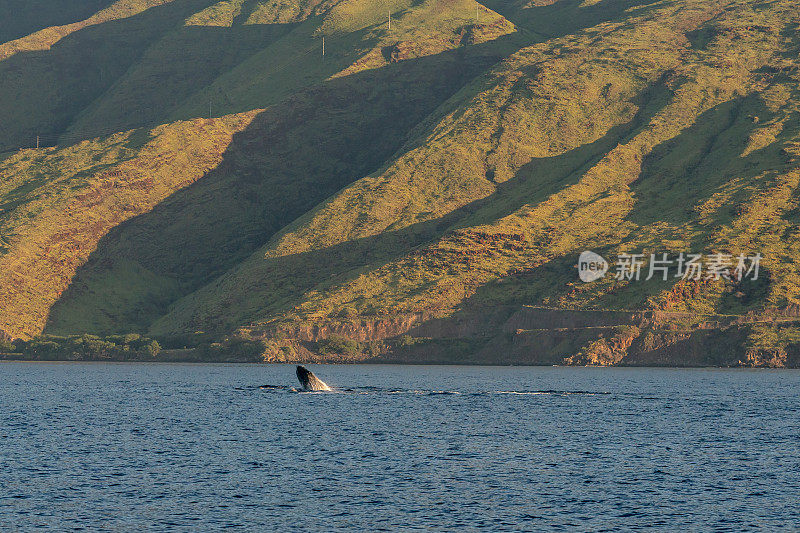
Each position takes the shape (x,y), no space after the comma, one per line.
(51,75)
(644,141)
(58,203)
(618,126)
(300,150)
(32,15)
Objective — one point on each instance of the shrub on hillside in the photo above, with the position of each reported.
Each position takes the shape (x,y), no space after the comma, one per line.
(338,345)
(348,312)
(235,349)
(90,348)
(6,346)
(408,340)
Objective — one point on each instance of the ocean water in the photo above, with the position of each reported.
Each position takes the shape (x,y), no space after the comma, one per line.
(181,447)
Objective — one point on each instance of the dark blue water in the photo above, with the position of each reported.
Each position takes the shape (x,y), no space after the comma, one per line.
(200,447)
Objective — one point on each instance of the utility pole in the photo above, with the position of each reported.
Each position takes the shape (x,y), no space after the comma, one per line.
(209,108)
(477,11)
(323,46)
(37,142)
(390,17)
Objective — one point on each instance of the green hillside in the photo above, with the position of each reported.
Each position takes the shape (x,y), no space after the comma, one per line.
(30,16)
(417,193)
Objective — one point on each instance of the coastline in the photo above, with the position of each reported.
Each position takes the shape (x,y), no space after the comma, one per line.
(12,358)
(494,336)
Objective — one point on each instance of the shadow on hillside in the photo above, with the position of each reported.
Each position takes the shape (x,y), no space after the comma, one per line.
(297,153)
(290,158)
(166,76)
(540,178)
(150,68)
(204,230)
(679,175)
(52,86)
(564,17)
(30,16)
(301,152)
(296,275)
(134,72)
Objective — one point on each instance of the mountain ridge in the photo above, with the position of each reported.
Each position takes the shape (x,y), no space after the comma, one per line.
(428,170)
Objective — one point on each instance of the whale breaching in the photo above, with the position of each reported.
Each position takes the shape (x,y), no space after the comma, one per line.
(309,381)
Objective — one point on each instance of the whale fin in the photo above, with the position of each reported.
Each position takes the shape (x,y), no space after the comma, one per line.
(309,381)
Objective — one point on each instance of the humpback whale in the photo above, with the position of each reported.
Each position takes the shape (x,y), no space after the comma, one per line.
(309,381)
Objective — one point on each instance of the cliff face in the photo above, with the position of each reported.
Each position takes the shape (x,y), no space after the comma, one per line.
(539,336)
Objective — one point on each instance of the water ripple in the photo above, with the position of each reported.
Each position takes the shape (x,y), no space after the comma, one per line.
(204,447)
